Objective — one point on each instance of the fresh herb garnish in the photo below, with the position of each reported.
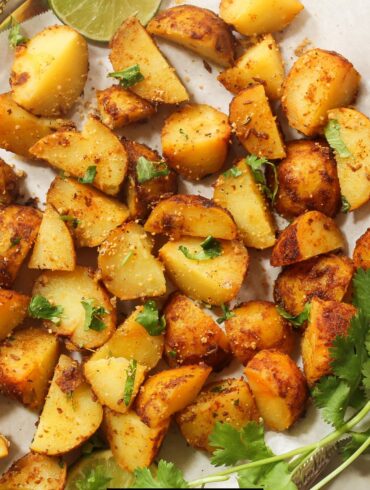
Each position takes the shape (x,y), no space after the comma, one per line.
(128,77)
(232,172)
(227,314)
(15,240)
(257,164)
(147,170)
(67,218)
(96,479)
(211,249)
(333,137)
(127,257)
(89,176)
(173,354)
(167,476)
(93,315)
(298,320)
(15,37)
(41,308)
(346,207)
(95,442)
(130,382)
(150,320)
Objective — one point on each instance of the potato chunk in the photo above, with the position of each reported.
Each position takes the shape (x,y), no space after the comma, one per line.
(242,197)
(13,310)
(327,320)
(279,388)
(319,81)
(4,448)
(215,281)
(50,71)
(128,268)
(255,125)
(227,401)
(9,183)
(260,63)
(309,235)
(132,45)
(191,215)
(27,361)
(197,29)
(195,140)
(361,253)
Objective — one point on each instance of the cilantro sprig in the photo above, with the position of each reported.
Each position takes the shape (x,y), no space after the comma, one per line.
(89,175)
(96,479)
(211,248)
(150,320)
(130,382)
(15,37)
(232,172)
(257,165)
(346,207)
(93,315)
(147,170)
(128,77)
(334,138)
(298,320)
(227,314)
(41,308)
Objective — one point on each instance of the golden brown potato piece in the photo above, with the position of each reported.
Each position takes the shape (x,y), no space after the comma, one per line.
(227,401)
(243,198)
(198,29)
(353,171)
(309,235)
(192,336)
(361,253)
(132,45)
(261,63)
(255,125)
(35,472)
(9,183)
(256,326)
(89,214)
(27,361)
(327,320)
(19,226)
(308,180)
(215,281)
(4,449)
(191,215)
(195,140)
(168,392)
(279,388)
(319,81)
(13,310)
(50,71)
(255,16)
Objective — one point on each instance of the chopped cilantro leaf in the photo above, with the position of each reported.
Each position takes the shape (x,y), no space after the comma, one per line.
(299,320)
(15,240)
(256,164)
(346,207)
(167,476)
(232,172)
(89,176)
(130,382)
(127,257)
(227,314)
(211,249)
(128,77)
(96,479)
(93,315)
(42,309)
(15,37)
(333,137)
(67,218)
(150,320)
(147,170)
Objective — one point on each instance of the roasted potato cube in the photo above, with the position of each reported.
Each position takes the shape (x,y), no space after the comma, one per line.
(19,226)
(361,253)
(255,125)
(132,45)
(9,183)
(128,268)
(319,80)
(89,214)
(326,277)
(192,336)
(309,235)
(327,320)
(195,140)
(215,281)
(262,63)
(168,392)
(279,388)
(198,29)
(243,198)
(50,71)
(71,413)
(13,310)
(4,448)
(191,215)
(27,361)
(259,16)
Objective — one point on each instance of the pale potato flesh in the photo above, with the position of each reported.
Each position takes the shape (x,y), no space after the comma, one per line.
(13,310)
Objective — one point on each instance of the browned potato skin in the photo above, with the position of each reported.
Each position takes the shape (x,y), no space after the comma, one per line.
(9,183)
(13,310)
(256,326)
(279,388)
(361,253)
(308,180)
(227,401)
(192,337)
(327,320)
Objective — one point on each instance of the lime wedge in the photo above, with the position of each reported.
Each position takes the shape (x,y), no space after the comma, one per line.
(98,20)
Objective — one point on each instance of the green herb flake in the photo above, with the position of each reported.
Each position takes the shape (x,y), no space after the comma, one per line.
(14,241)
(130,382)
(227,314)
(211,249)
(128,77)
(15,36)
(127,257)
(147,170)
(150,320)
(96,479)
(89,176)
(167,475)
(173,354)
(232,172)
(346,207)
(257,165)
(333,137)
(71,219)
(299,320)
(93,316)
(41,308)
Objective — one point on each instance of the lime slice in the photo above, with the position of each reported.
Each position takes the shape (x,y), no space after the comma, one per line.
(99,19)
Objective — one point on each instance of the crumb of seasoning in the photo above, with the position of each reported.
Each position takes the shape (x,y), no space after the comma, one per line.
(303,47)
(207,66)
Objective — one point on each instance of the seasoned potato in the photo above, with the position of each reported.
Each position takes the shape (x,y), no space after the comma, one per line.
(353,172)
(13,310)
(243,198)
(192,336)
(198,29)
(255,125)
(50,71)
(256,326)
(255,16)
(27,361)
(191,215)
(35,472)
(89,214)
(128,268)
(327,320)
(195,140)
(69,290)
(74,153)
(279,388)
(309,235)
(361,253)
(9,183)
(133,443)
(19,226)
(71,413)
(227,401)
(4,447)
(262,63)
(132,45)
(327,277)
(319,80)
(215,281)
(53,247)
(168,392)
